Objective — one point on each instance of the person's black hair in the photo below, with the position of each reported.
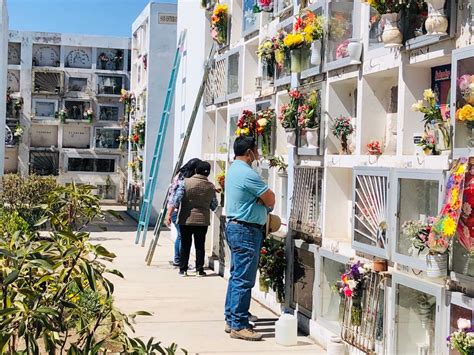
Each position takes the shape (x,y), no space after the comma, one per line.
(242,144)
(203,168)
(189,169)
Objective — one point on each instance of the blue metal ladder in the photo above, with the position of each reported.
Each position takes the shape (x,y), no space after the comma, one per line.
(197,104)
(150,184)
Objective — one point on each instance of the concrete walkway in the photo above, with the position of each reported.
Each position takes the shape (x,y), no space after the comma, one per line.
(186,310)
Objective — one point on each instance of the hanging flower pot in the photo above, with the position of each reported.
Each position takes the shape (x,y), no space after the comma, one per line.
(354,49)
(437,23)
(312,137)
(299,59)
(316,52)
(391,36)
(290,137)
(436,265)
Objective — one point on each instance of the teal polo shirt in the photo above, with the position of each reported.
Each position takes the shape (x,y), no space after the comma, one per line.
(243,186)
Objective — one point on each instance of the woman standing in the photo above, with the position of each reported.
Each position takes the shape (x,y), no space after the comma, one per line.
(195,197)
(186,171)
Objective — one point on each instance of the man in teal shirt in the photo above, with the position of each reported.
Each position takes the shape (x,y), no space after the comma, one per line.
(248,200)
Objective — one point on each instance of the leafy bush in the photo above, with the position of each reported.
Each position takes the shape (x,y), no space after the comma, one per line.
(55,295)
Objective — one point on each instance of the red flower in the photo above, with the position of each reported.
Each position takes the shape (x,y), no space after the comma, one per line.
(347,292)
(136,138)
(263,251)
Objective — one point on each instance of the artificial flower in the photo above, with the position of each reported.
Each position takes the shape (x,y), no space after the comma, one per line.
(466,208)
(293,40)
(466,113)
(428,95)
(352,284)
(262,122)
(417,106)
(449,226)
(347,292)
(464,323)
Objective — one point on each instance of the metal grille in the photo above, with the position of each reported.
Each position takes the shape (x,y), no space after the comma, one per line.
(369,335)
(44,163)
(305,206)
(216,88)
(208,90)
(48,82)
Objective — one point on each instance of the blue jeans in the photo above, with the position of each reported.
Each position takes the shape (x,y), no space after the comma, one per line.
(244,243)
(177,243)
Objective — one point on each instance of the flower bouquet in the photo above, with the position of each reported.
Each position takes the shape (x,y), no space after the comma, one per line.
(352,287)
(374,148)
(433,119)
(266,52)
(122,140)
(466,88)
(128,99)
(465,230)
(308,119)
(89,115)
(465,114)
(247,124)
(342,129)
(314,31)
(220,179)
(219,21)
(428,143)
(417,232)
(280,49)
(288,116)
(272,265)
(265,119)
(298,47)
(264,5)
(463,339)
(62,115)
(138,131)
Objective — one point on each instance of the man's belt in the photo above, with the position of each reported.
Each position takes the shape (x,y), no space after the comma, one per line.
(247,224)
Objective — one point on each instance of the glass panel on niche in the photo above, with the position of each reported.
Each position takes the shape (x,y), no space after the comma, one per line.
(109,85)
(284,69)
(77,84)
(331,302)
(376,29)
(76,109)
(233,74)
(45,56)
(249,18)
(303,279)
(13,81)
(464,129)
(283,4)
(107,138)
(45,109)
(91,165)
(416,212)
(106,192)
(110,59)
(340,29)
(416,320)
(108,113)
(14,53)
(370,210)
(456,313)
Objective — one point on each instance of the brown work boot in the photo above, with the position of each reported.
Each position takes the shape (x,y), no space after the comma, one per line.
(246,334)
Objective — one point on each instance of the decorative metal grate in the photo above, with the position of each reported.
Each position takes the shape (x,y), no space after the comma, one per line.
(208,89)
(48,82)
(370,210)
(306,202)
(134,198)
(215,90)
(44,163)
(369,335)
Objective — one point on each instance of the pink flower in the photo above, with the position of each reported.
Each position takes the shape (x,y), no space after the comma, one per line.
(347,292)
(464,323)
(464,82)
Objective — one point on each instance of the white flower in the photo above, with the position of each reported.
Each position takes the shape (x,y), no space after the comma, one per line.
(466,208)
(262,122)
(464,323)
(352,284)
(417,106)
(362,270)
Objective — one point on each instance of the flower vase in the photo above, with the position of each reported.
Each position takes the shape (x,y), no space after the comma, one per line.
(268,70)
(265,146)
(436,265)
(141,140)
(299,59)
(425,312)
(391,36)
(356,311)
(290,137)
(316,52)
(354,49)
(344,145)
(437,23)
(312,137)
(263,284)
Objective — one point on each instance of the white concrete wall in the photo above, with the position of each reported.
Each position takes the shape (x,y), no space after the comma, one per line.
(160,48)
(3,77)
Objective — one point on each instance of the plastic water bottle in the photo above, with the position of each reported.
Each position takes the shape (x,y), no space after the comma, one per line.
(286,330)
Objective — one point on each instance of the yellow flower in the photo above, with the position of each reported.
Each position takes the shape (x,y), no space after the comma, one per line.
(262,122)
(123,92)
(246,130)
(417,106)
(220,8)
(428,94)
(461,169)
(279,56)
(237,132)
(454,196)
(267,44)
(130,164)
(308,34)
(370,2)
(293,40)
(466,113)
(449,226)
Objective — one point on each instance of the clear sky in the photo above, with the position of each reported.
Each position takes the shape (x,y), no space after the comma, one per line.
(92,17)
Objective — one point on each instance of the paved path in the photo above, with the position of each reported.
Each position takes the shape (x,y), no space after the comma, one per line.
(187,311)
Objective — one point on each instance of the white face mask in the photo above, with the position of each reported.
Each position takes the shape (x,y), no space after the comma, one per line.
(256,164)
